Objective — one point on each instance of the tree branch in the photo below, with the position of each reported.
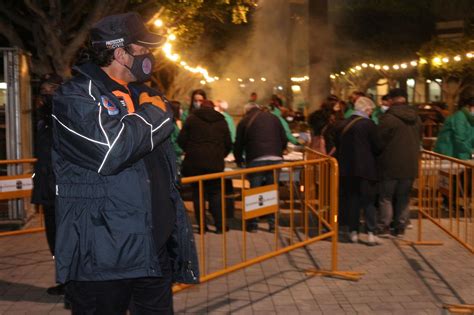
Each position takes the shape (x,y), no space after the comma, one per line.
(97,12)
(73,18)
(55,9)
(10,33)
(35,9)
(15,18)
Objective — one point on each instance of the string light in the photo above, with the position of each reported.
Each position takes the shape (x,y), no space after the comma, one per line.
(436,61)
(299,79)
(167,49)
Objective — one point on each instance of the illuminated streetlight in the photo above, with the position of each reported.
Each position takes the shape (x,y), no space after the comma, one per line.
(172,37)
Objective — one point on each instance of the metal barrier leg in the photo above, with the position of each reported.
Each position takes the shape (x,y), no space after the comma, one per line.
(421,203)
(334,273)
(460,308)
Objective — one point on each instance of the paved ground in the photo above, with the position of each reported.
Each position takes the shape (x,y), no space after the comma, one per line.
(399,279)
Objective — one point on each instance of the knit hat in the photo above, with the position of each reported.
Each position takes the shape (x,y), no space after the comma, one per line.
(363,104)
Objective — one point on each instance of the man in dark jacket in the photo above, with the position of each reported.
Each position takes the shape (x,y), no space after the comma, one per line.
(205,139)
(262,137)
(357,146)
(43,180)
(400,132)
(122,232)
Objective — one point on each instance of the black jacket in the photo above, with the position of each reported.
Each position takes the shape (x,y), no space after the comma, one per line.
(259,136)
(43,180)
(104,205)
(205,140)
(356,149)
(400,133)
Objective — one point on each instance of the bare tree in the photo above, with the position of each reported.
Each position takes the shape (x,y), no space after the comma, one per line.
(53,31)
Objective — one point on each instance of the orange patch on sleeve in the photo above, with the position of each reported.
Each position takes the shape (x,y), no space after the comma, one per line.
(155,100)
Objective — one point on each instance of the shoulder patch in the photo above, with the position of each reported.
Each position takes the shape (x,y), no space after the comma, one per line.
(111,108)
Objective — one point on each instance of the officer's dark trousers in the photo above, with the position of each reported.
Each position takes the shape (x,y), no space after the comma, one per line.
(143,296)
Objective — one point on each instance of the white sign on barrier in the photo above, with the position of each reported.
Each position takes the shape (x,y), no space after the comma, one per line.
(261,200)
(7,185)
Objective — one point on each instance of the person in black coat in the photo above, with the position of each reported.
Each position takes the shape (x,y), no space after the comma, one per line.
(44,181)
(400,130)
(205,139)
(262,137)
(357,146)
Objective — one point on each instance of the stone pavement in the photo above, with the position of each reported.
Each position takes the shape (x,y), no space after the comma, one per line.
(399,280)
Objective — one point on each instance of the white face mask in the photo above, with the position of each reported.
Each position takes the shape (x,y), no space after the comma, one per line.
(384,108)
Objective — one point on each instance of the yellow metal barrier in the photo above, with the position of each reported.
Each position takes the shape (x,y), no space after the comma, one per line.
(306,212)
(445,197)
(18,186)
